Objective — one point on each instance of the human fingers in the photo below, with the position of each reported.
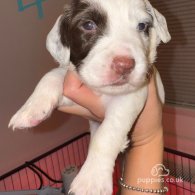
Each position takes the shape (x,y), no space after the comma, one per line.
(82,95)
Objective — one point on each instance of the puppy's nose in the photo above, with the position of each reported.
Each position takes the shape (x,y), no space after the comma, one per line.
(123,64)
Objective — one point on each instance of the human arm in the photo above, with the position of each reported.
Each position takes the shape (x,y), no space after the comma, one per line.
(147,146)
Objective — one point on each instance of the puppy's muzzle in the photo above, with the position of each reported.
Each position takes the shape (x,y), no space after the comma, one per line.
(123,65)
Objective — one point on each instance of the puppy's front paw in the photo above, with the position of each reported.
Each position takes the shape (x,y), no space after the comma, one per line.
(33,112)
(92,181)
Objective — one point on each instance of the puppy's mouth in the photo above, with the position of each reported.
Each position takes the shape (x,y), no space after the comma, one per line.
(122,80)
(125,79)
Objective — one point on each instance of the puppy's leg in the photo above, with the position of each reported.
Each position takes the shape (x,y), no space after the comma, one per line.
(46,96)
(95,177)
(93,127)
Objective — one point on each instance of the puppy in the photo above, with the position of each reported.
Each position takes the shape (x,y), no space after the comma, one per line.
(111,44)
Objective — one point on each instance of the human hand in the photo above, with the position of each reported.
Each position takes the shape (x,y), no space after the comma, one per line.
(88,104)
(146,149)
(146,134)
(149,121)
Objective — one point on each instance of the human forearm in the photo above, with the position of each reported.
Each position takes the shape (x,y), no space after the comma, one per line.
(140,160)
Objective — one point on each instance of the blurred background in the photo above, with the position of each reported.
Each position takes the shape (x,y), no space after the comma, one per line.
(24,60)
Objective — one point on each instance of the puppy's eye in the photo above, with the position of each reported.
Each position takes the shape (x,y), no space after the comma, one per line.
(89,26)
(144,27)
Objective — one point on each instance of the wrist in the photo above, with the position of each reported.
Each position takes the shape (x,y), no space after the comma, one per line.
(140,139)
(140,160)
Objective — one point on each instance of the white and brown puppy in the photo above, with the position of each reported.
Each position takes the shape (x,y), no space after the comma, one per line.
(112,45)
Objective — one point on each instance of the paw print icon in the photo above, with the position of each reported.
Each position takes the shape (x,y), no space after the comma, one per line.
(160,170)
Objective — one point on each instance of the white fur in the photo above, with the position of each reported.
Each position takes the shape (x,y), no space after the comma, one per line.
(60,54)
(127,42)
(123,103)
(39,106)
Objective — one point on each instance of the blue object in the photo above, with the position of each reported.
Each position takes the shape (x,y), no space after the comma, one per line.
(37,3)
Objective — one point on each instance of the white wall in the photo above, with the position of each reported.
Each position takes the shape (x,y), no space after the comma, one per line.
(23,61)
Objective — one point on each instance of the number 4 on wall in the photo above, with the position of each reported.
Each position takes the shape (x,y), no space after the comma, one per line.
(22,5)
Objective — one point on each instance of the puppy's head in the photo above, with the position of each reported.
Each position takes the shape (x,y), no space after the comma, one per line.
(112,43)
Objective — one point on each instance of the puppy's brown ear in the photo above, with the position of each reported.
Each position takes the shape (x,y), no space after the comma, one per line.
(65,25)
(159,23)
(57,40)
